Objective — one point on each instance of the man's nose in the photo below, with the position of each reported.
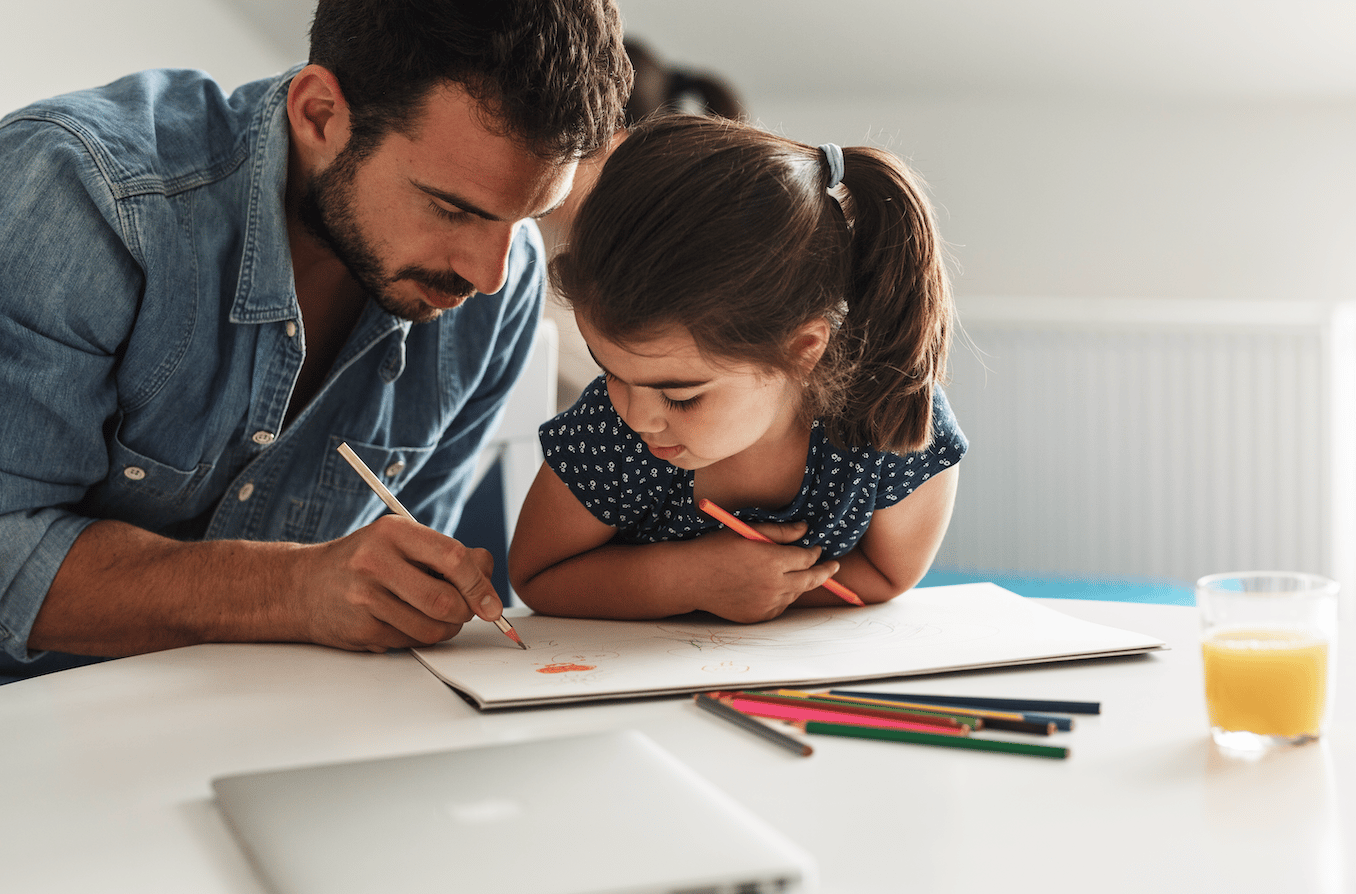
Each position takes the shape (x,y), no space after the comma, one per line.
(484,260)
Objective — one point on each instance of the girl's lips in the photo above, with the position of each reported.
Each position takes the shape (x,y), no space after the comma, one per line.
(665,452)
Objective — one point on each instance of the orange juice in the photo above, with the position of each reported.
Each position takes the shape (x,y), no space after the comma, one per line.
(1272,682)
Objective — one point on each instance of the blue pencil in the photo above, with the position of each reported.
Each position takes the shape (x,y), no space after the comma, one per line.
(998,704)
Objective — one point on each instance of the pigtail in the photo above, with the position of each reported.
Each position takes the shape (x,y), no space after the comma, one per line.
(896,329)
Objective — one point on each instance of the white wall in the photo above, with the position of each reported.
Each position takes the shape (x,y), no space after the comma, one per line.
(1126,198)
(61,45)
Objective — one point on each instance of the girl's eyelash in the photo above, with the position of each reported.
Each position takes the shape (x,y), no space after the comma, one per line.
(688,404)
(669,402)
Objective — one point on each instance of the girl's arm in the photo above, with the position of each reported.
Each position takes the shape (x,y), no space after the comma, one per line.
(899,545)
(562,562)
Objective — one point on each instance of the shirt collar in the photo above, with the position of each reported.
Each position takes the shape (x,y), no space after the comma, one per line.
(266,291)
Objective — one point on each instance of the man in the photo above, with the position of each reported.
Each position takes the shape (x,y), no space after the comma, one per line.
(201,296)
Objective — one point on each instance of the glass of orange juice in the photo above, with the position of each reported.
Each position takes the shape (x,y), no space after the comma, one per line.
(1269,640)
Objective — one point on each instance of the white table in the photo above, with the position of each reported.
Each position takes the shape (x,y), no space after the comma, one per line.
(104,773)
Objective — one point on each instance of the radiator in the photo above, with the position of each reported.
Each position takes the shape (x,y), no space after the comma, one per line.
(1166,439)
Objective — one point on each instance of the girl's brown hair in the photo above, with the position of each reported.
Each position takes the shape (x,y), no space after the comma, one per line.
(729,231)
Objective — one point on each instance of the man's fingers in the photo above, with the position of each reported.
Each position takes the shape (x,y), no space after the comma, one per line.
(469,576)
(408,627)
(465,578)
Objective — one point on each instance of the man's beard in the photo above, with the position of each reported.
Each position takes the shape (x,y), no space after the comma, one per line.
(326,210)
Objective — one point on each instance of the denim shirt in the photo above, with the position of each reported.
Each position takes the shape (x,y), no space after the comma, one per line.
(150,338)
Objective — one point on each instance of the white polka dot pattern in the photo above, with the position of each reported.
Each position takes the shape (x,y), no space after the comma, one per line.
(608,468)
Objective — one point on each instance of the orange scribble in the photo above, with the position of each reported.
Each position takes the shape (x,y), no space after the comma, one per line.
(564,668)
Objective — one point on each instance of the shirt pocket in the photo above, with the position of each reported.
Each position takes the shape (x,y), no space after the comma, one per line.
(343,500)
(148,492)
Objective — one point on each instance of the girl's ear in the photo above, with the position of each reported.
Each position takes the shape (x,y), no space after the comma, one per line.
(809,344)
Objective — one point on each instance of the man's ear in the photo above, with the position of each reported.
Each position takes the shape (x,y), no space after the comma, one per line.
(809,344)
(318,115)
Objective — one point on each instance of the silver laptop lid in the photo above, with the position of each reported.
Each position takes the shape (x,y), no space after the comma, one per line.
(607,812)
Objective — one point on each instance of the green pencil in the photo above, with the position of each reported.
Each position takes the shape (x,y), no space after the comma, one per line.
(900,735)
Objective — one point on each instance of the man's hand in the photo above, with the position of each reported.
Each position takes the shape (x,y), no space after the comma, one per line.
(393,584)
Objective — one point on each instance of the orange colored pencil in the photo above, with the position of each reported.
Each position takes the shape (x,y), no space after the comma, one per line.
(749,533)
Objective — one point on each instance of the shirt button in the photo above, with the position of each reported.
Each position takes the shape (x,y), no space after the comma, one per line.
(291,328)
(395,469)
(134,473)
(262,437)
(244,493)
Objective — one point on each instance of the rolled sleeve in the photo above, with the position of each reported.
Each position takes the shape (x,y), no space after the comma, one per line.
(33,544)
(68,294)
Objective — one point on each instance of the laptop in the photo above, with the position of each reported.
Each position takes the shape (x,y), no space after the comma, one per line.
(603,813)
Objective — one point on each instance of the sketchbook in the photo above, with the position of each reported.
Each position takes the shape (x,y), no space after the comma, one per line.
(925,631)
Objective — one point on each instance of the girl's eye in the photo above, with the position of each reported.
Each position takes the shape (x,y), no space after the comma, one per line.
(669,402)
(688,404)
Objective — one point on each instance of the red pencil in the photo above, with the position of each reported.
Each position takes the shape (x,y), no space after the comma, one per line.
(945,721)
(759,708)
(748,533)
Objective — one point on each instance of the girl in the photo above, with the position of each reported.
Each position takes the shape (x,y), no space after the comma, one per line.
(772,321)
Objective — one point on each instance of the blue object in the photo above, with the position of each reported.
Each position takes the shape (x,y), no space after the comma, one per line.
(149,324)
(1156,591)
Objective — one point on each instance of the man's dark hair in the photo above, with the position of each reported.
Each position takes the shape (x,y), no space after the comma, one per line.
(552,73)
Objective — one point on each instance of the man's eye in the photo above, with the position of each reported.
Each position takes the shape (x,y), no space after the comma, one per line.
(446,214)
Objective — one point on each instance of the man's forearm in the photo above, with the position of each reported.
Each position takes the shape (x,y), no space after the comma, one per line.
(123,591)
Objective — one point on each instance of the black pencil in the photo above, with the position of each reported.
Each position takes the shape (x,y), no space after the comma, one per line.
(1001,704)
(720,709)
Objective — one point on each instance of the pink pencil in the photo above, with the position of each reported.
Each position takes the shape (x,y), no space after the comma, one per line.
(748,533)
(800,715)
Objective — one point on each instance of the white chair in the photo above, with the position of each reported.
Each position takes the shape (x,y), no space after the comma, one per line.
(514,446)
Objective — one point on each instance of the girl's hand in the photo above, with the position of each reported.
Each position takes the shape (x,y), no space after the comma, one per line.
(747,581)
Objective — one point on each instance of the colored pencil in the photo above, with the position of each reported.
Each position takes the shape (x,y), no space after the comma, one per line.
(994,719)
(965,715)
(720,709)
(960,714)
(749,533)
(395,506)
(796,713)
(916,738)
(963,701)
(1015,724)
(1061,723)
(943,721)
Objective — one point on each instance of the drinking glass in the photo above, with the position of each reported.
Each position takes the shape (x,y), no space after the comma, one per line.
(1269,642)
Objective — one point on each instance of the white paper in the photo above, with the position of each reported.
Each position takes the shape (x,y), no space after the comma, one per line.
(926,630)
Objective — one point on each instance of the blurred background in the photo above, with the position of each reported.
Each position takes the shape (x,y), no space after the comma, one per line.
(1151,212)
